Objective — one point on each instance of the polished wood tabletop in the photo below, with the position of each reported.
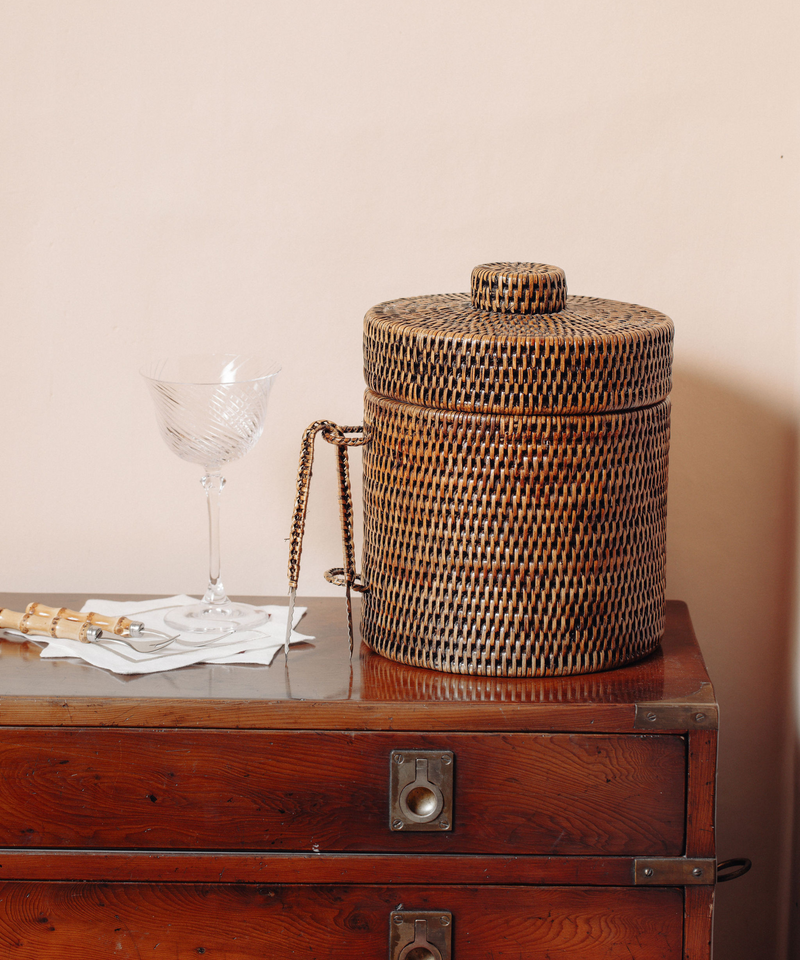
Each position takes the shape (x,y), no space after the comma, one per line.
(321,686)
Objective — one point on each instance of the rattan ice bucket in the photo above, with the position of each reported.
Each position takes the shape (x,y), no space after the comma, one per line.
(515,445)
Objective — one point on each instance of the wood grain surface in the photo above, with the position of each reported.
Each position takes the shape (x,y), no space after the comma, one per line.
(699,905)
(91,921)
(158,866)
(242,812)
(701,788)
(327,791)
(323,689)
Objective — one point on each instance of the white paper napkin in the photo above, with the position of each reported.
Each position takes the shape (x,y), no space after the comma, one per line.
(250,646)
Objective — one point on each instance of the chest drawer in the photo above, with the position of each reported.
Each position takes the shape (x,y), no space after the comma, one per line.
(527,793)
(249,922)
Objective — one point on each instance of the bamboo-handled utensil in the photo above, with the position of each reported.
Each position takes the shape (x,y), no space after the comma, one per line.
(41,621)
(112,627)
(44,625)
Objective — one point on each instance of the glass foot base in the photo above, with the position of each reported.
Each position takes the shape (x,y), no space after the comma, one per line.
(212,617)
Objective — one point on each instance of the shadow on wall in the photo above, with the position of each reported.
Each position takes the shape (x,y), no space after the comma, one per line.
(730,550)
(794,891)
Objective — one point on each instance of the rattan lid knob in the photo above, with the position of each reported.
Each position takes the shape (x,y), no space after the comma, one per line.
(519,288)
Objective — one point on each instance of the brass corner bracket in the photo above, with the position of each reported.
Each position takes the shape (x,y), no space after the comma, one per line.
(674,871)
(694,714)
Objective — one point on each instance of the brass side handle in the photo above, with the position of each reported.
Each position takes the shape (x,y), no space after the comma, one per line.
(733,869)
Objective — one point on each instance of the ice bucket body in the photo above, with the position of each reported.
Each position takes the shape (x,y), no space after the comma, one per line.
(515,478)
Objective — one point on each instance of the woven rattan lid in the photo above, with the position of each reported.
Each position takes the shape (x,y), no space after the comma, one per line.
(518,344)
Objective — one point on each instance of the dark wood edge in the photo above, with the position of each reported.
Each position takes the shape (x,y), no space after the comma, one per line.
(266,715)
(698,906)
(337,715)
(213,867)
(701,793)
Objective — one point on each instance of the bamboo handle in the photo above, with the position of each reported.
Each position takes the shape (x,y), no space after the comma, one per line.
(54,611)
(10,620)
(42,625)
(118,625)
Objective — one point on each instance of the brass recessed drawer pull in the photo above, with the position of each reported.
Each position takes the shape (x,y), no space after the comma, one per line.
(421,790)
(420,935)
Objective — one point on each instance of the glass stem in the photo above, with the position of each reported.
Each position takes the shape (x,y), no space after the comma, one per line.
(215,592)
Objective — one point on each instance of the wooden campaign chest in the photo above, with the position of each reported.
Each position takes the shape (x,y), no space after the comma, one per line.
(356,810)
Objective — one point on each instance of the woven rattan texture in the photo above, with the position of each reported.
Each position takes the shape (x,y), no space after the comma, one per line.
(381,677)
(593,356)
(518,288)
(513,546)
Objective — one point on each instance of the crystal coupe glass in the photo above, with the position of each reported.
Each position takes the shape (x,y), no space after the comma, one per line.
(210,411)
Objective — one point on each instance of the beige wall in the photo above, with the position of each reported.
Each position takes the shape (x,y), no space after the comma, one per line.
(187,175)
